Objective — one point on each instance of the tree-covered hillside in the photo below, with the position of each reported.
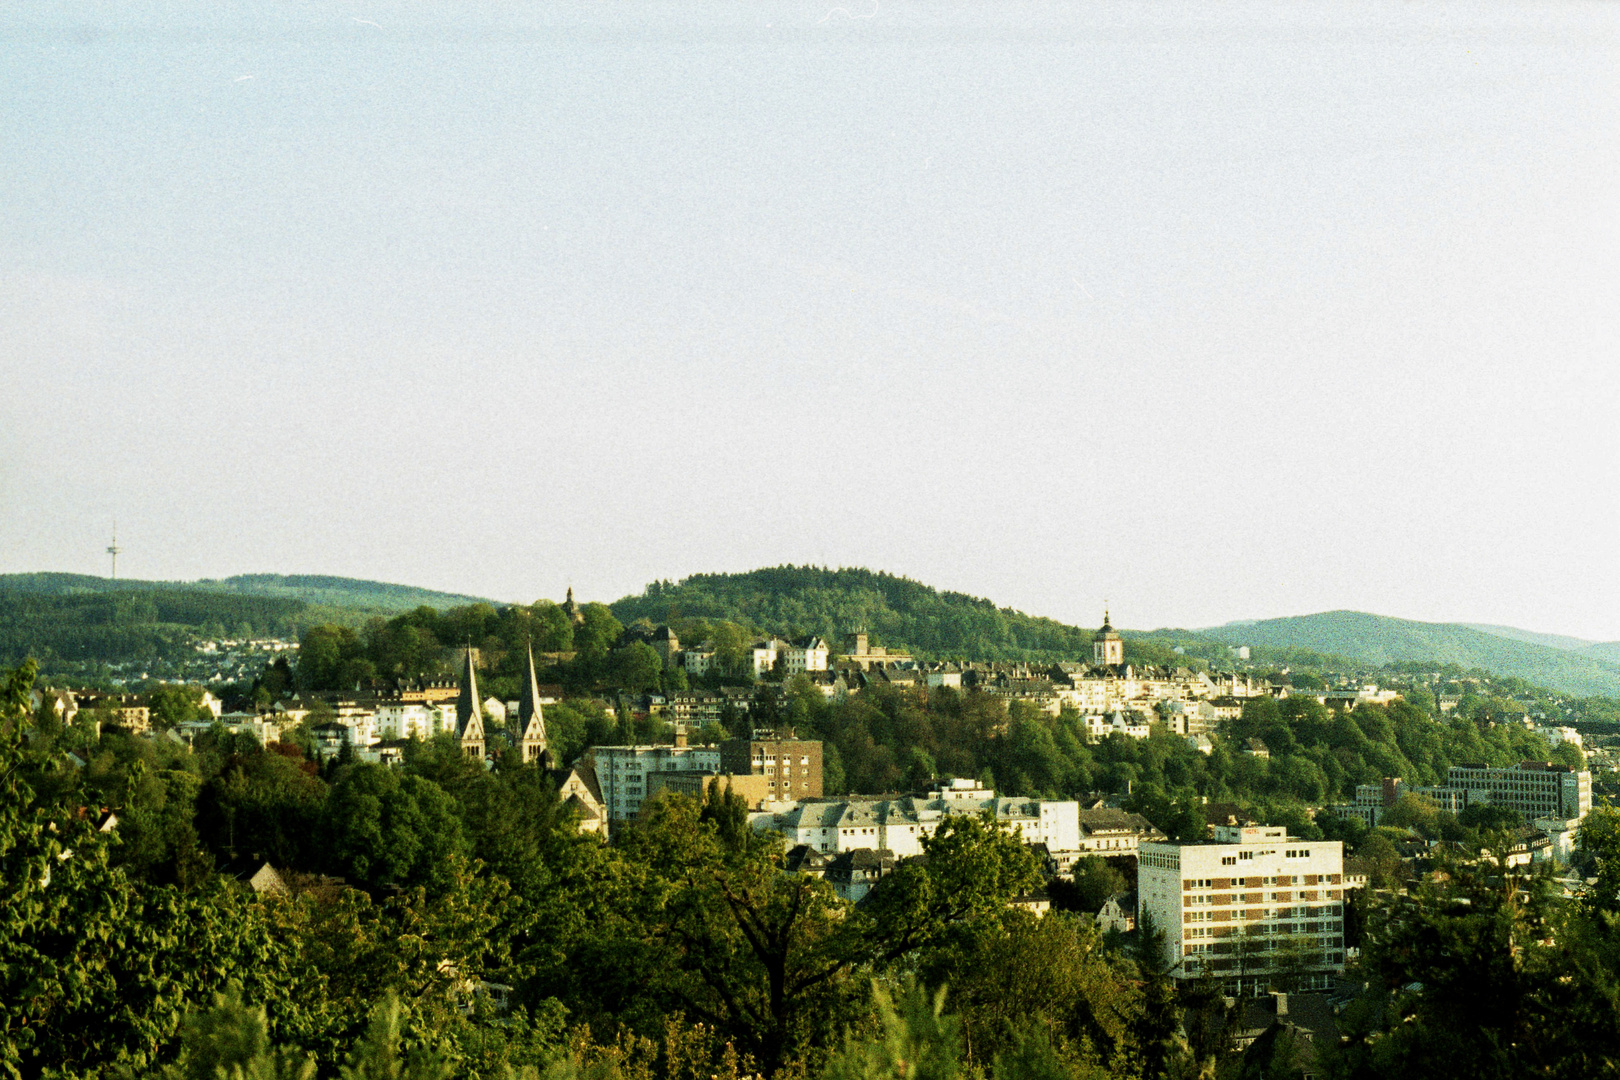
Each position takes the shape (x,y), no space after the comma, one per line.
(896,611)
(1377,640)
(133,623)
(79,617)
(372,596)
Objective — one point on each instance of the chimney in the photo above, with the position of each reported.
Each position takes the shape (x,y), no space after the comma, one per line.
(1282,1004)
(680,736)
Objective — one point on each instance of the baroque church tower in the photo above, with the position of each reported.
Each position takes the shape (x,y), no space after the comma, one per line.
(1107,647)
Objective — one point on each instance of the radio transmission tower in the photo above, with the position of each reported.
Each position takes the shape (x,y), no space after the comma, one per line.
(113,549)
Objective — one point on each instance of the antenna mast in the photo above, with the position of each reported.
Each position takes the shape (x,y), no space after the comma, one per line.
(113,549)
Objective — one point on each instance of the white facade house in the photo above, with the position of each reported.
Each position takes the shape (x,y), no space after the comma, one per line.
(1110,832)
(792,657)
(1118,722)
(1238,906)
(806,654)
(899,825)
(762,655)
(622,771)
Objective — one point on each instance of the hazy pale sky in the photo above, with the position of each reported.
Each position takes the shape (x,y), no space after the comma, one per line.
(1216,310)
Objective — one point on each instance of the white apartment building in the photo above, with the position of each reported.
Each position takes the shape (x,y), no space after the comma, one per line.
(899,825)
(1537,789)
(621,771)
(408,720)
(1246,904)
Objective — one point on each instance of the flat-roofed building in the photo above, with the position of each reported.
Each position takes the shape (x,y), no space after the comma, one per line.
(622,772)
(1537,789)
(752,790)
(791,767)
(1247,905)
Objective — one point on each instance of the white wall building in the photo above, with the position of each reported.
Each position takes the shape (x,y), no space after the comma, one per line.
(1237,906)
(1118,722)
(621,771)
(899,825)
(403,720)
(806,654)
(1557,734)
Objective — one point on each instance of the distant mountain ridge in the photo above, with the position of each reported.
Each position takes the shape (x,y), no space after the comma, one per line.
(1380,639)
(80,617)
(84,616)
(1608,651)
(375,596)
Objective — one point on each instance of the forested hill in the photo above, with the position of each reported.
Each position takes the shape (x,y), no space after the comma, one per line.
(896,611)
(375,597)
(1378,639)
(80,617)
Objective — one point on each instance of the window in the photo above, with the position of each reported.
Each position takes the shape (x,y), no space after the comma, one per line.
(1228,860)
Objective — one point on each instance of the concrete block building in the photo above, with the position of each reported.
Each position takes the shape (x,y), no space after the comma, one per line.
(1247,906)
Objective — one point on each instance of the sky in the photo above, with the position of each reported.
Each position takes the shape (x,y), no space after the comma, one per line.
(1208,311)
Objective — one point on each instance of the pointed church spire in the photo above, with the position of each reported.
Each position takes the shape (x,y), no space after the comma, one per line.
(470,711)
(467,703)
(531,718)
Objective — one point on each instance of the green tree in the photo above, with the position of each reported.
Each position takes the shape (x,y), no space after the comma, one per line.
(383,828)
(172,704)
(635,667)
(916,1040)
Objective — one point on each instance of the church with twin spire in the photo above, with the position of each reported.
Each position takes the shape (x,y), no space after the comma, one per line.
(529,732)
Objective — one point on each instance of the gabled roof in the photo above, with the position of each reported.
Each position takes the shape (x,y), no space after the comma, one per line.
(805,860)
(586,774)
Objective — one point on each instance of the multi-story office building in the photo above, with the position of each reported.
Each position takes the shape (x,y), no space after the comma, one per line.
(791,767)
(1247,906)
(621,771)
(1537,789)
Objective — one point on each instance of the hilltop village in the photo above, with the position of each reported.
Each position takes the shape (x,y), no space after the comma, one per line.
(1233,826)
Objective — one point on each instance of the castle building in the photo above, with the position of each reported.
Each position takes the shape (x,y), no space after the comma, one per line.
(857,650)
